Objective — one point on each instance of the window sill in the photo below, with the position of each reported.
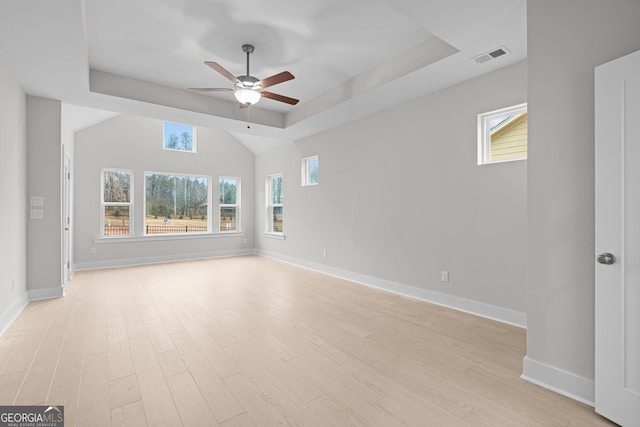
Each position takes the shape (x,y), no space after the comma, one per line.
(272,235)
(160,237)
(497,162)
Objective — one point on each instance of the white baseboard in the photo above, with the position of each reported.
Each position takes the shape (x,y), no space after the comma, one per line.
(46,293)
(562,382)
(12,313)
(504,315)
(128,262)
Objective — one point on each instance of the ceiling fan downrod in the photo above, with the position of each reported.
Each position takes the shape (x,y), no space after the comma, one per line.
(248,49)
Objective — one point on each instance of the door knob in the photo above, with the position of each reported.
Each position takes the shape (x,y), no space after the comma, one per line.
(606,258)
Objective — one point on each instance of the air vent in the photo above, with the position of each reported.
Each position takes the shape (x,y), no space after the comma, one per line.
(495,53)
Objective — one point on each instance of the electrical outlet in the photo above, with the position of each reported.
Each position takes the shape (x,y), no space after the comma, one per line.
(324,253)
(13,285)
(444,276)
(92,251)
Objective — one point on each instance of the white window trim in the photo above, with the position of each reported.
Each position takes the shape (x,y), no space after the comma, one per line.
(209,199)
(306,171)
(193,138)
(158,237)
(270,206)
(484,133)
(228,205)
(128,204)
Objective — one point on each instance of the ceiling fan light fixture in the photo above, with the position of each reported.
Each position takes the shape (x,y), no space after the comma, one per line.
(247,96)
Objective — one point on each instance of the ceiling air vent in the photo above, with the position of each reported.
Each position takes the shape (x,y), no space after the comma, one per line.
(485,57)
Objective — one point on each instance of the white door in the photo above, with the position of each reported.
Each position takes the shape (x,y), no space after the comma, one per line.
(617,328)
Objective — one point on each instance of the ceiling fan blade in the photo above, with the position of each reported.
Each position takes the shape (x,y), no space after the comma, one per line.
(219,68)
(275,79)
(211,89)
(280,98)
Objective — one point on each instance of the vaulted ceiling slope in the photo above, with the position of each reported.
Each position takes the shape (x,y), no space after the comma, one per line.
(350,58)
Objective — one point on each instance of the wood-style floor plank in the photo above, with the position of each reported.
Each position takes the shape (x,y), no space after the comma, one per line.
(221,401)
(93,402)
(129,415)
(159,408)
(191,405)
(36,385)
(65,386)
(250,341)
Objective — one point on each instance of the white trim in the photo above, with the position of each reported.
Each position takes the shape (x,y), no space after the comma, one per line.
(46,293)
(157,237)
(558,380)
(484,133)
(12,313)
(126,262)
(273,235)
(270,205)
(500,314)
(129,205)
(305,178)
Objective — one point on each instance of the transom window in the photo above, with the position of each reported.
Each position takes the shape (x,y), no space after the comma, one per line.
(274,204)
(116,204)
(176,204)
(229,204)
(310,171)
(179,137)
(502,135)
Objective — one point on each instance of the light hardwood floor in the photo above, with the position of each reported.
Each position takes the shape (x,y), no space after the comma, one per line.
(250,341)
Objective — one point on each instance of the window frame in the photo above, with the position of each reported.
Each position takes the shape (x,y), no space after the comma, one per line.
(193,137)
(306,171)
(178,174)
(230,205)
(270,205)
(484,133)
(128,204)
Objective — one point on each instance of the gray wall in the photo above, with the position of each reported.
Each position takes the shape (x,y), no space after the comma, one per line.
(566,40)
(401,197)
(135,143)
(44,160)
(13,193)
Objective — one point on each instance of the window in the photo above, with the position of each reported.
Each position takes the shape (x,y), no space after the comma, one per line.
(229,204)
(310,171)
(116,206)
(177,137)
(502,135)
(274,203)
(176,204)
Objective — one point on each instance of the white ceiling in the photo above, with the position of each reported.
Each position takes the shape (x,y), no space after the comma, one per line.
(351,58)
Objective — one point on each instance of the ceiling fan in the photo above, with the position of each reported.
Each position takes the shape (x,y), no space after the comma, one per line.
(247,89)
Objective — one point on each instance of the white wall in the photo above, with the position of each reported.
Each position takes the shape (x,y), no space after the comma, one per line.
(401,197)
(566,40)
(13,193)
(135,143)
(44,160)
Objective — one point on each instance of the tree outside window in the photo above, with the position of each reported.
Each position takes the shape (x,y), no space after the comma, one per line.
(116,202)
(274,204)
(179,137)
(176,204)
(229,204)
